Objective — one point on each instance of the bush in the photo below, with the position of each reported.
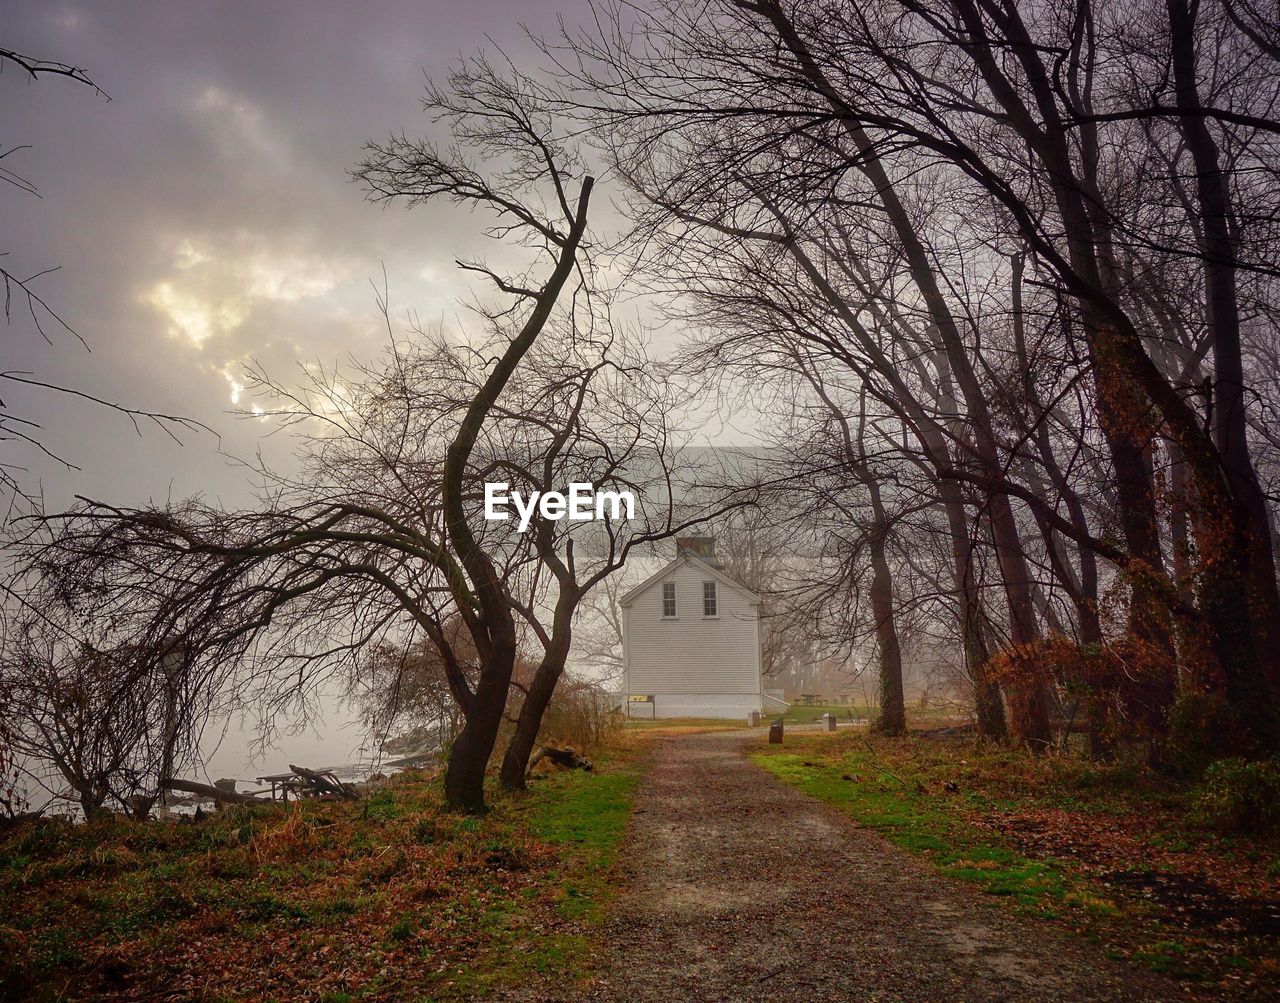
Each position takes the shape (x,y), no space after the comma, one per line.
(1202,727)
(581,714)
(1240,796)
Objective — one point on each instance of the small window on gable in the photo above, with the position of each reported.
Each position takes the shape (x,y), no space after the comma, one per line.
(668,600)
(709,607)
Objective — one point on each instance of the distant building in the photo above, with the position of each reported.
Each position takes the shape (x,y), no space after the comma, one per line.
(691,641)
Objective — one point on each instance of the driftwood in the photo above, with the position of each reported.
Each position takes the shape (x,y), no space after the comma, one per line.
(300,781)
(325,783)
(566,758)
(411,762)
(205,790)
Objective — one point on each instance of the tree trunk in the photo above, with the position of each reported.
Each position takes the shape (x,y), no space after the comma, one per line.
(987,702)
(1194,655)
(893,714)
(1230,426)
(494,630)
(1029,701)
(515,761)
(91,803)
(469,756)
(205,790)
(1123,415)
(468,759)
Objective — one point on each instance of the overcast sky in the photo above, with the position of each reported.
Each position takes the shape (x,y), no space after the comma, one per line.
(204,214)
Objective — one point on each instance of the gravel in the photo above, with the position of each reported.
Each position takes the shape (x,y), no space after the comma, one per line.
(739,887)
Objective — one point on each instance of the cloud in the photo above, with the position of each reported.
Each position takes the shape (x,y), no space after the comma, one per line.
(192,315)
(203,217)
(240,128)
(215,285)
(69,18)
(247,295)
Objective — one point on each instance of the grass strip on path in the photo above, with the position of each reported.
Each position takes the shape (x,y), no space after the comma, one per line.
(1058,840)
(583,816)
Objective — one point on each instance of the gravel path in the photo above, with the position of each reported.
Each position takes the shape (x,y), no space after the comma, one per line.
(740,887)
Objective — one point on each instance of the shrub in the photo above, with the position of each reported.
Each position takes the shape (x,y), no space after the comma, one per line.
(1202,727)
(581,714)
(1240,796)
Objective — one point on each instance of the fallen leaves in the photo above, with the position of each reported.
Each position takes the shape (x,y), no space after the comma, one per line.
(304,901)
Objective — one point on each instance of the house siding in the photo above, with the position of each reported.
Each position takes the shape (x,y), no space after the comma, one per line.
(692,665)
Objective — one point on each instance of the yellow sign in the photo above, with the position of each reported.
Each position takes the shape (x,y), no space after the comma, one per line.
(637,698)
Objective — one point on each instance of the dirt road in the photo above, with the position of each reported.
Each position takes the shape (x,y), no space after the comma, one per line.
(741,888)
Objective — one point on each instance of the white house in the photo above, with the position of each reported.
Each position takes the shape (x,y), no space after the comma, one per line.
(691,641)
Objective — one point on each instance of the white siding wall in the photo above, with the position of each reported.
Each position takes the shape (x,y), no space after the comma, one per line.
(694,665)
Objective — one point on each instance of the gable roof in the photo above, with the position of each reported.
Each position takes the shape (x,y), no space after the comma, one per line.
(688,558)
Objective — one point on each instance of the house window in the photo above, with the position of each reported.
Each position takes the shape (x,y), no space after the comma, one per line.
(709,607)
(668,600)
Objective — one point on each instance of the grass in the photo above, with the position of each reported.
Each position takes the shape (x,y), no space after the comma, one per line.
(682,725)
(912,821)
(591,823)
(392,897)
(796,714)
(1058,840)
(801,714)
(584,816)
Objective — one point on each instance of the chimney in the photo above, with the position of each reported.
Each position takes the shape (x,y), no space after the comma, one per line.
(701,547)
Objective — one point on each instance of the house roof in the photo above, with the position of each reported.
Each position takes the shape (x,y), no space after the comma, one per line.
(686,557)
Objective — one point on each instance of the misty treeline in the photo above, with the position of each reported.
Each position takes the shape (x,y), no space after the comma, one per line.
(997,283)
(1002,278)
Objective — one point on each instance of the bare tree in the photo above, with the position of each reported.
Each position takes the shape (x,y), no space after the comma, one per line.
(403,690)
(108,721)
(914,164)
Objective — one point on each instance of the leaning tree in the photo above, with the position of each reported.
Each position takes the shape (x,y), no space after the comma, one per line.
(320,569)
(381,535)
